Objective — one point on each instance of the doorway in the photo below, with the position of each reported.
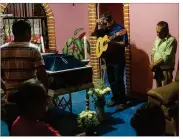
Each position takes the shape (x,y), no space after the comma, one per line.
(121,15)
(115,10)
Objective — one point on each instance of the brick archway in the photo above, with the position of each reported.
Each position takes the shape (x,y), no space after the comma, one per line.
(50,24)
(94,60)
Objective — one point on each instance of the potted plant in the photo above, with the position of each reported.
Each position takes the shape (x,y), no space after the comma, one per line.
(98,94)
(75,45)
(88,120)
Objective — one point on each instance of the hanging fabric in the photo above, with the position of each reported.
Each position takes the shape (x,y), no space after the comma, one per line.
(9,31)
(5,36)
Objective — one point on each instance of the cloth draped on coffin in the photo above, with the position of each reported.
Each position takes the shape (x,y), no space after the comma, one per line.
(66,75)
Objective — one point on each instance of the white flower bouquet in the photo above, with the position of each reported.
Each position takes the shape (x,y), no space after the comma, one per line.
(87,119)
(100,89)
(99,92)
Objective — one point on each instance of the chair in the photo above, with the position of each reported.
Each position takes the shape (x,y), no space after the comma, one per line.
(168,98)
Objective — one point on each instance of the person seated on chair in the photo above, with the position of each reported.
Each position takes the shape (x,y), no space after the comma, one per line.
(20,59)
(114,57)
(163,55)
(149,120)
(31,100)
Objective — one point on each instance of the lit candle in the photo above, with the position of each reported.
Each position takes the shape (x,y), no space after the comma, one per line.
(85,47)
(42,44)
(98,12)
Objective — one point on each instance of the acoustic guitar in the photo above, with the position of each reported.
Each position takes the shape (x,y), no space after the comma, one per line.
(102,42)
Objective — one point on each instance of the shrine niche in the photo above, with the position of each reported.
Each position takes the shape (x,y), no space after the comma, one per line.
(40,17)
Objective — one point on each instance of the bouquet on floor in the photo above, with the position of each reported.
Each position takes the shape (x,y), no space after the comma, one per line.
(87,119)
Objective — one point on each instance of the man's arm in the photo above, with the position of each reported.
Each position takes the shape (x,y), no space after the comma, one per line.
(95,31)
(42,75)
(154,49)
(170,49)
(152,53)
(40,68)
(3,86)
(124,42)
(123,39)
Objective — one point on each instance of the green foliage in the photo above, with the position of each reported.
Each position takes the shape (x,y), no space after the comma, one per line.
(74,45)
(77,30)
(69,41)
(65,49)
(79,44)
(75,54)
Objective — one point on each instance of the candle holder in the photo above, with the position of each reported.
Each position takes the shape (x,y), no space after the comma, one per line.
(85,61)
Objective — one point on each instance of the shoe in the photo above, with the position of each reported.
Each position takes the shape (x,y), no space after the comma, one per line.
(111,103)
(120,107)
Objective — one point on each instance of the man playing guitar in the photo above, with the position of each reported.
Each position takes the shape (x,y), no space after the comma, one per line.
(114,57)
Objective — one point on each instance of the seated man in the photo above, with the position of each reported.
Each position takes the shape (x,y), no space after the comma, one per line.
(149,120)
(31,100)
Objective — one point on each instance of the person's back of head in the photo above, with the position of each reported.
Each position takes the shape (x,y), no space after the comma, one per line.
(149,120)
(21,30)
(31,99)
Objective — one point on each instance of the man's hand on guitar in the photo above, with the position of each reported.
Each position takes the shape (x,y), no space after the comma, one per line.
(108,40)
(122,32)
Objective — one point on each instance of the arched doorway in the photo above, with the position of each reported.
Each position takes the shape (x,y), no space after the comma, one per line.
(92,13)
(42,10)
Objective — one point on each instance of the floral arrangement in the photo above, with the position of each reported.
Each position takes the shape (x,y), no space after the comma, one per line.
(36,39)
(99,92)
(8,39)
(100,89)
(87,119)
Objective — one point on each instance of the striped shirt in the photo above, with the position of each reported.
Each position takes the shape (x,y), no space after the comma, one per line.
(18,63)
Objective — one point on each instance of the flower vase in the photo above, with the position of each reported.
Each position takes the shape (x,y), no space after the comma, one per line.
(100,109)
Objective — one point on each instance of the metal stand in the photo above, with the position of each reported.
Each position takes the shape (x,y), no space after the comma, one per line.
(87,101)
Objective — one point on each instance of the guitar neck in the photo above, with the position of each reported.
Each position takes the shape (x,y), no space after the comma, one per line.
(112,37)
